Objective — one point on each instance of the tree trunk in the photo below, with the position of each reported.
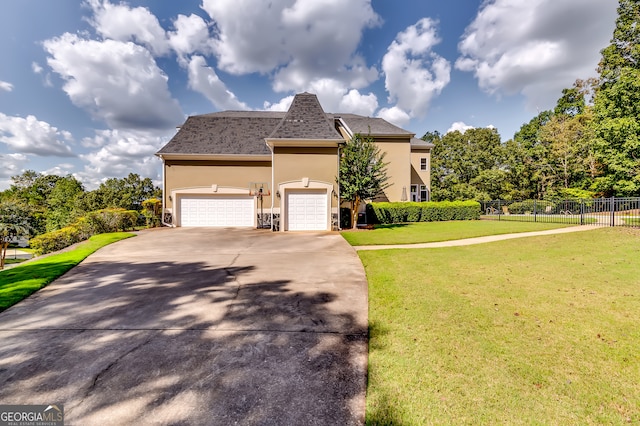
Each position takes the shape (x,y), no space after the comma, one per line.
(3,254)
(354,213)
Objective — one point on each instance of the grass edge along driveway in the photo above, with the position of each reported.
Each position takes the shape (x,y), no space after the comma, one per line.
(23,280)
(541,330)
(429,232)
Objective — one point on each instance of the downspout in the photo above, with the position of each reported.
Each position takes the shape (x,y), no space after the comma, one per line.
(164,186)
(338,191)
(273,188)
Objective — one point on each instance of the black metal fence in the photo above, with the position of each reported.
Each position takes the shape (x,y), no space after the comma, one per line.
(598,211)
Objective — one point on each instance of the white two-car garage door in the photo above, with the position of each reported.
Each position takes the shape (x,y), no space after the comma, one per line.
(306,211)
(221,211)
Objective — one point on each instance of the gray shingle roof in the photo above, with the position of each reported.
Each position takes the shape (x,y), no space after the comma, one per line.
(228,132)
(372,126)
(419,143)
(244,132)
(305,120)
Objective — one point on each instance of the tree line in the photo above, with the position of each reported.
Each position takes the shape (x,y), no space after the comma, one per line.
(587,146)
(45,203)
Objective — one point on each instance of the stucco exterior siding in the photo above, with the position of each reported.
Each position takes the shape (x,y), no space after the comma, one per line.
(194,174)
(418,176)
(318,164)
(398,157)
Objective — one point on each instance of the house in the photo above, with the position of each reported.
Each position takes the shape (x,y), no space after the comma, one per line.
(278,169)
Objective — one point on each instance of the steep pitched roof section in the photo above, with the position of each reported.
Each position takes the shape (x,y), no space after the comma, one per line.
(224,133)
(305,120)
(371,126)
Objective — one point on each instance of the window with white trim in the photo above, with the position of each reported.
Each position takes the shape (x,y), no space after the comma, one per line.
(424,163)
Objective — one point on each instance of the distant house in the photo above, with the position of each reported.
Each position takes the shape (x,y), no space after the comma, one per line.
(277,169)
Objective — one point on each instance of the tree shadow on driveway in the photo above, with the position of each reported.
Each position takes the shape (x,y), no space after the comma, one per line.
(184,343)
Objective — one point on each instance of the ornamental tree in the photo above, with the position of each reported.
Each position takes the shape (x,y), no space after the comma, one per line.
(14,223)
(363,173)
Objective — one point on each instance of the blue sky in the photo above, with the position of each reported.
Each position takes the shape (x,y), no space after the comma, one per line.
(94,88)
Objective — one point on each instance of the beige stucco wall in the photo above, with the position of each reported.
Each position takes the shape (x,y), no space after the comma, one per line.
(234,174)
(296,163)
(420,177)
(398,157)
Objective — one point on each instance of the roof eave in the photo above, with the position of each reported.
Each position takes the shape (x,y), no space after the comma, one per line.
(315,143)
(218,157)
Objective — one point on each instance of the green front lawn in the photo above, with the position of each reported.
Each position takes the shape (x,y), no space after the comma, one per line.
(21,281)
(427,232)
(542,330)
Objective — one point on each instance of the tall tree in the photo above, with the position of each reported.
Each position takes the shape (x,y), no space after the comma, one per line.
(363,173)
(62,203)
(617,106)
(460,163)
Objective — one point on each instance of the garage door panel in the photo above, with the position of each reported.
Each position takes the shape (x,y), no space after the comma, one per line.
(217,211)
(307,211)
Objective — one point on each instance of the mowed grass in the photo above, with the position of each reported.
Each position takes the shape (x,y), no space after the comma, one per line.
(541,330)
(21,281)
(428,232)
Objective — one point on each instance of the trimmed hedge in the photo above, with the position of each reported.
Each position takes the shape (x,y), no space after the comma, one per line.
(98,222)
(386,213)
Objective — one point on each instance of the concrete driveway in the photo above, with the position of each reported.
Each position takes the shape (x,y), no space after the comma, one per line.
(197,326)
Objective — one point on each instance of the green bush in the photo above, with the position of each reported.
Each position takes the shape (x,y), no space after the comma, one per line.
(525,206)
(57,240)
(111,220)
(98,222)
(403,212)
(345,218)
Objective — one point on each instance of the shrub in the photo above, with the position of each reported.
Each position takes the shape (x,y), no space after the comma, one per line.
(98,222)
(522,207)
(111,220)
(345,217)
(151,210)
(387,213)
(57,240)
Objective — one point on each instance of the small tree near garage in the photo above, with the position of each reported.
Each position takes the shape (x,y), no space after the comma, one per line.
(363,173)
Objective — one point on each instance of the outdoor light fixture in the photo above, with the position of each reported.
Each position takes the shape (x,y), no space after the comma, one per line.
(278,193)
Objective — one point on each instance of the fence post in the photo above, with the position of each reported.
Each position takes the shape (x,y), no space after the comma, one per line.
(499,211)
(581,211)
(535,210)
(613,211)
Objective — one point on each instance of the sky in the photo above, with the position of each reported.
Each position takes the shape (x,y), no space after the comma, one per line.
(94,88)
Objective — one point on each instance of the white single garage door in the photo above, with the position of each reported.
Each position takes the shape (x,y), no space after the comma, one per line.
(222,211)
(306,211)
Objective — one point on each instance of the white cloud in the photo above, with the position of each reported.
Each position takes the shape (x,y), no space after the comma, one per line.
(117,82)
(36,68)
(6,86)
(282,105)
(535,47)
(414,74)
(395,115)
(191,35)
(204,79)
(459,126)
(121,152)
(357,103)
(32,136)
(12,165)
(123,23)
(300,40)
